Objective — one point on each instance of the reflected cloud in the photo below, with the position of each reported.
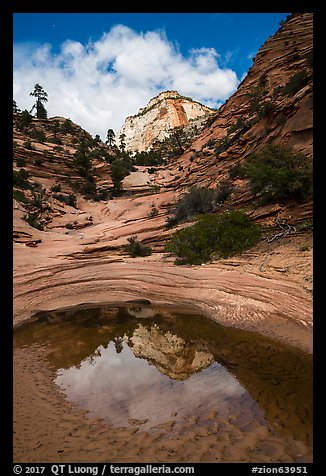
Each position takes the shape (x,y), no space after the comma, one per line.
(154,376)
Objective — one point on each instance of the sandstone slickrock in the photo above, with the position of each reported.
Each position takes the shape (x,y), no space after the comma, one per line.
(78,256)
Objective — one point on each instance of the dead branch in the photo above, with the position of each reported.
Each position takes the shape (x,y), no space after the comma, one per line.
(286,230)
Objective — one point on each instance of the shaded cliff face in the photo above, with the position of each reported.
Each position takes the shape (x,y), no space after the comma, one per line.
(154,122)
(274,103)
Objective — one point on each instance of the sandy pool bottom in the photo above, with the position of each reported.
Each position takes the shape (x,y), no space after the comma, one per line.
(56,421)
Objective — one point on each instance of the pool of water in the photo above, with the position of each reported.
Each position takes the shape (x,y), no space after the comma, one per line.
(147,366)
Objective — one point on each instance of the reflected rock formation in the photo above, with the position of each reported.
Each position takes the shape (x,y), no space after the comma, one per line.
(171,355)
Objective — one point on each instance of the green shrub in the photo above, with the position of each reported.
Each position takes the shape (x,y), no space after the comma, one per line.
(96,140)
(222,145)
(48,155)
(28,145)
(70,226)
(153,212)
(295,83)
(19,196)
(99,154)
(266,109)
(21,162)
(237,125)
(70,199)
(295,57)
(255,105)
(88,188)
(56,188)
(67,127)
(304,247)
(90,191)
(235,171)
(223,191)
(263,80)
(102,194)
(305,225)
(38,161)
(119,170)
(255,96)
(55,140)
(279,175)
(110,157)
(198,200)
(38,199)
(25,121)
(150,158)
(136,248)
(82,159)
(210,143)
(37,135)
(32,221)
(225,235)
(20,178)
(36,186)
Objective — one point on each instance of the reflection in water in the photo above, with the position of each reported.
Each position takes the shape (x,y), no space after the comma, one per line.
(121,387)
(172,355)
(152,365)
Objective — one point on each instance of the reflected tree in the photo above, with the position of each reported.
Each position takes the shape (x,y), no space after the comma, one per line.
(118,343)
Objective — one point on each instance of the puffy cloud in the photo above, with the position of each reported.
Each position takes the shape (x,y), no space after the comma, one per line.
(99,84)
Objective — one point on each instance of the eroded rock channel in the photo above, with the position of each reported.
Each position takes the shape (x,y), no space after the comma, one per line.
(143,383)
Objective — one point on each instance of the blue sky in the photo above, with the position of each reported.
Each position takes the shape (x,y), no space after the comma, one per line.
(99,68)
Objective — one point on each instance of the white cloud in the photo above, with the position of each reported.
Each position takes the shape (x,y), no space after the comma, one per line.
(99,84)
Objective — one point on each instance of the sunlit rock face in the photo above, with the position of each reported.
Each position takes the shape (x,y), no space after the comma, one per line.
(154,122)
(170,354)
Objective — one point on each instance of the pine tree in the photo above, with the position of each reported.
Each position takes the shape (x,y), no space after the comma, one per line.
(110,137)
(25,121)
(82,159)
(15,108)
(41,97)
(119,171)
(122,138)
